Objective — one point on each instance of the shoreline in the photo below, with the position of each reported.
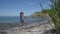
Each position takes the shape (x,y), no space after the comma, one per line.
(32,28)
(36,27)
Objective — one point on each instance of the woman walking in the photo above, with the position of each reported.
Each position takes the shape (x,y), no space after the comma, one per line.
(21,19)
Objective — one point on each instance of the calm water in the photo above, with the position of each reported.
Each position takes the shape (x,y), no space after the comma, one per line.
(16,19)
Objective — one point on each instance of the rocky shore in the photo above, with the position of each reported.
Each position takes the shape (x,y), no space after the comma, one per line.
(35,28)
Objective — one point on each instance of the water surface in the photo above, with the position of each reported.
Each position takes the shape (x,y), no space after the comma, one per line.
(16,19)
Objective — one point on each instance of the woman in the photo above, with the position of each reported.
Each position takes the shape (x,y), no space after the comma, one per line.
(21,19)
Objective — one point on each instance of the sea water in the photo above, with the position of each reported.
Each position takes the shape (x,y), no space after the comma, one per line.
(16,19)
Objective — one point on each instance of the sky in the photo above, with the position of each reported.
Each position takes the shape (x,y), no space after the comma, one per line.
(14,7)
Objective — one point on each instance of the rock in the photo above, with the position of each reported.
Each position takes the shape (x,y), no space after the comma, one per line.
(37,29)
(51,31)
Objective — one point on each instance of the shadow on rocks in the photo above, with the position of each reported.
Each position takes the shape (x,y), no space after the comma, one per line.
(2,32)
(51,31)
